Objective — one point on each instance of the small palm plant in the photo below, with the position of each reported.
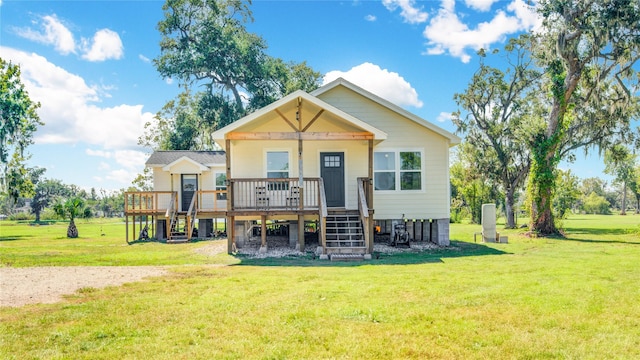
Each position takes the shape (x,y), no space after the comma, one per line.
(71,208)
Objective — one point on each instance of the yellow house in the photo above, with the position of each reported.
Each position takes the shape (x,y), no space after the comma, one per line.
(340,157)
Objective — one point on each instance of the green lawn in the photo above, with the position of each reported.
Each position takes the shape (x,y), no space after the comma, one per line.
(575,297)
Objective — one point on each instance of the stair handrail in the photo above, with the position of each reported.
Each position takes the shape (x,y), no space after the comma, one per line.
(322,209)
(170,215)
(363,209)
(191,219)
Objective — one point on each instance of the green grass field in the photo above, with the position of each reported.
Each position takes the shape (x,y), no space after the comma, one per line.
(568,298)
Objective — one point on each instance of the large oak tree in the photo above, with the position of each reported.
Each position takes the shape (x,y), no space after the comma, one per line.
(223,68)
(498,109)
(589,49)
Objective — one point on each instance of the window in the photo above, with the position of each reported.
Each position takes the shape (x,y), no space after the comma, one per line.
(331,161)
(400,170)
(221,184)
(278,168)
(384,170)
(277,164)
(410,170)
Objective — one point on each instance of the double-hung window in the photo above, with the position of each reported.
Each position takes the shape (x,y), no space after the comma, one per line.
(397,170)
(278,168)
(221,185)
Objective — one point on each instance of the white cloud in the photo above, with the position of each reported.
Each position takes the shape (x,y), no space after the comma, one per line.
(144,58)
(127,164)
(446,33)
(122,176)
(370,17)
(388,85)
(105,45)
(480,5)
(68,109)
(99,153)
(53,32)
(104,166)
(408,11)
(131,159)
(444,116)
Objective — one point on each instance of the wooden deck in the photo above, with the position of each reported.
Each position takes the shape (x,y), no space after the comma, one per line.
(260,199)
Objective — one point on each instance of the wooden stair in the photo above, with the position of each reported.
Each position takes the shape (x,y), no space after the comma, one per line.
(177,236)
(344,236)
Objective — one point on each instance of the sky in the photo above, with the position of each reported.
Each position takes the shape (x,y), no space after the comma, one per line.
(89,64)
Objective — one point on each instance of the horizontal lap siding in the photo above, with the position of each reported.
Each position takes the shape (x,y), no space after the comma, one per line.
(248,160)
(403,135)
(161,180)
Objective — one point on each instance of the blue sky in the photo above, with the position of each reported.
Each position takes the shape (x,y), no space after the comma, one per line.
(89,64)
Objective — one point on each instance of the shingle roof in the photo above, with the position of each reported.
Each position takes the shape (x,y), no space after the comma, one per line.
(161,158)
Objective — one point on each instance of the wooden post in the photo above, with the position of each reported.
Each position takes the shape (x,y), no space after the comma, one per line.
(300,157)
(263,230)
(301,232)
(230,234)
(370,200)
(230,223)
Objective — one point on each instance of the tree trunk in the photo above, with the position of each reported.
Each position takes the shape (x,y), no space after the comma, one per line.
(72,230)
(541,185)
(509,200)
(624,199)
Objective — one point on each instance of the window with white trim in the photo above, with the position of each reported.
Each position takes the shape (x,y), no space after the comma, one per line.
(397,170)
(278,168)
(221,184)
(277,164)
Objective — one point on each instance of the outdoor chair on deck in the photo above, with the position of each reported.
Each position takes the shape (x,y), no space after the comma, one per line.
(293,200)
(262,199)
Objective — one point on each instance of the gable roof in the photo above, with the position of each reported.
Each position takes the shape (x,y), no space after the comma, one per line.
(453,139)
(170,157)
(297,96)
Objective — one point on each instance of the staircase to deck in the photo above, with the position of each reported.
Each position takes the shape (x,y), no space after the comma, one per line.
(178,230)
(345,236)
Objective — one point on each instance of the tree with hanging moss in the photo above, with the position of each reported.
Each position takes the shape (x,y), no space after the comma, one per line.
(498,106)
(588,50)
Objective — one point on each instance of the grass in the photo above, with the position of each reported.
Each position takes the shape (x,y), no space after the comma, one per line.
(569,298)
(47,245)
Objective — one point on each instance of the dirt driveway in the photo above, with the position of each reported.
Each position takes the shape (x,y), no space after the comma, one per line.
(21,286)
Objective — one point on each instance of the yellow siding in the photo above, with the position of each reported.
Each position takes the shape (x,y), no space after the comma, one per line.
(249,157)
(403,135)
(161,180)
(185,167)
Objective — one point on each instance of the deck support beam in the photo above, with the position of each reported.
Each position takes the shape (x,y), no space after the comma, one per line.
(370,205)
(263,234)
(301,232)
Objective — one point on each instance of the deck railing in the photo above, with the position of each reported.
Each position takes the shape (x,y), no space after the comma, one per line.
(245,195)
(322,201)
(363,209)
(211,200)
(145,202)
(275,194)
(159,202)
(192,215)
